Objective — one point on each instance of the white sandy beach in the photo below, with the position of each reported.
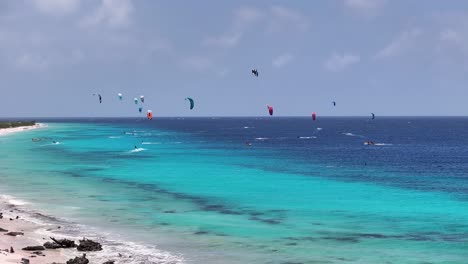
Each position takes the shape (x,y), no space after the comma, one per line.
(36,232)
(7,131)
(33,233)
(31,237)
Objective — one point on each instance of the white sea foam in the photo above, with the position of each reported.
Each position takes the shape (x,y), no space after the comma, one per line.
(308,137)
(114,137)
(137,150)
(261,138)
(351,134)
(114,246)
(51,144)
(150,143)
(13,200)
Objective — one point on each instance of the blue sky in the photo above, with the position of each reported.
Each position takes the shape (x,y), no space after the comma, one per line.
(381,56)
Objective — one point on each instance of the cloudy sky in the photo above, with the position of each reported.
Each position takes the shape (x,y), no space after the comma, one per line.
(382,56)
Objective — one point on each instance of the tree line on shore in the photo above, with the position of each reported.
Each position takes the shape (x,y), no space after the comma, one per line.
(11,124)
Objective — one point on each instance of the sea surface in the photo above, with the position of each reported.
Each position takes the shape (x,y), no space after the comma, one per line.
(251,190)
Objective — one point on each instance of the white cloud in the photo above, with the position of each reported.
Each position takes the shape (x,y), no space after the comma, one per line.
(450,35)
(338,62)
(453,43)
(197,63)
(243,18)
(282,60)
(404,41)
(283,18)
(113,13)
(452,38)
(226,40)
(276,19)
(56,7)
(368,8)
(31,62)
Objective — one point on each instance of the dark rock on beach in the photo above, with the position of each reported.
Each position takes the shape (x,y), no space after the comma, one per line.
(12,250)
(3,230)
(34,248)
(60,243)
(24,261)
(79,260)
(52,245)
(14,234)
(89,245)
(109,262)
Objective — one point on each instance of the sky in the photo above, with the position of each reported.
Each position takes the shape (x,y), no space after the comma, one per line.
(398,58)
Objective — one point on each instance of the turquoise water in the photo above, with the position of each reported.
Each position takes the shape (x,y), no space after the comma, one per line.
(198,191)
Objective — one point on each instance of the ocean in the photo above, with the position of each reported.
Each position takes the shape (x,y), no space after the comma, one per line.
(251,190)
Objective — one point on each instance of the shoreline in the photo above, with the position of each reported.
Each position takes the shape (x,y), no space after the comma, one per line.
(31,237)
(37,228)
(11,130)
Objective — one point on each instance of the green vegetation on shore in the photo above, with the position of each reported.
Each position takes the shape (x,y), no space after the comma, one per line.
(16,124)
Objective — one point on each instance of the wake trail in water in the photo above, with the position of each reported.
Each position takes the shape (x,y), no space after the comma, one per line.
(311,137)
(137,150)
(352,135)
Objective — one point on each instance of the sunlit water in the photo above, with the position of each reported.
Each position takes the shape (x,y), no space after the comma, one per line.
(254,190)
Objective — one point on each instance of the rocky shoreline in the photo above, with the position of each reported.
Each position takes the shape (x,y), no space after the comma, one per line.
(19,243)
(29,236)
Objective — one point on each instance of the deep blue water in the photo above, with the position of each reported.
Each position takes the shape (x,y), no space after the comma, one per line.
(256,190)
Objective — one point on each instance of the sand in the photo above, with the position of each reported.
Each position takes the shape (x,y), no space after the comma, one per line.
(7,131)
(31,237)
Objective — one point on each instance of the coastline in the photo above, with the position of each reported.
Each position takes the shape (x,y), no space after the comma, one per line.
(37,228)
(10,130)
(31,237)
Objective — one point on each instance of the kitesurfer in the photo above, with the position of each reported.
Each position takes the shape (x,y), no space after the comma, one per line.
(192,103)
(255,72)
(270,109)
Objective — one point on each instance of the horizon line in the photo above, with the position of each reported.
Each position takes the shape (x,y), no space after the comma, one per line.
(265,116)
